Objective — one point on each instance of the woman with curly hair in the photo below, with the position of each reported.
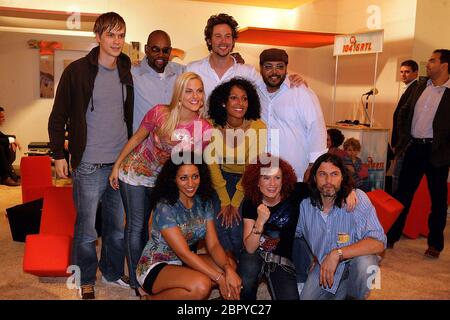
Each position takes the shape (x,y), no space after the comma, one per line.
(270,212)
(164,130)
(182,216)
(234,110)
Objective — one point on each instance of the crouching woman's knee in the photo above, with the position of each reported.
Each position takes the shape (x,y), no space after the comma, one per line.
(200,288)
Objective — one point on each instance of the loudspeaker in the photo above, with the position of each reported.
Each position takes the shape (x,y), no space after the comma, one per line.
(25,219)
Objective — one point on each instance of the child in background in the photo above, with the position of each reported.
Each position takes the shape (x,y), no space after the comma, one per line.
(359,171)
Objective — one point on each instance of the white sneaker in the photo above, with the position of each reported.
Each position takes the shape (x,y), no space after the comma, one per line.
(123,282)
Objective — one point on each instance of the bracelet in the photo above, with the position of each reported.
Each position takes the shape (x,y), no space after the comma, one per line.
(255,231)
(218,277)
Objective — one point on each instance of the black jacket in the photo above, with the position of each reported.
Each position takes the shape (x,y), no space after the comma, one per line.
(4,138)
(440,150)
(71,102)
(401,102)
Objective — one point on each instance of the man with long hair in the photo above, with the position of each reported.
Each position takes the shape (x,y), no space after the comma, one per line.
(345,245)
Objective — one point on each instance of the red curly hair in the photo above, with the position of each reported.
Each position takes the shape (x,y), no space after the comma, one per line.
(253,172)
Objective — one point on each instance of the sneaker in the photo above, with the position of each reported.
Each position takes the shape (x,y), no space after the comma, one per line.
(123,282)
(86,292)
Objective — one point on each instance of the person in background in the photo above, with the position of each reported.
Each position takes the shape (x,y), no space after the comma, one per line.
(183,215)
(335,138)
(358,170)
(165,129)
(8,146)
(424,140)
(408,75)
(154,77)
(345,245)
(234,110)
(95,95)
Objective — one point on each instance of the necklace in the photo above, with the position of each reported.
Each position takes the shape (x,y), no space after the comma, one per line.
(271,204)
(242,126)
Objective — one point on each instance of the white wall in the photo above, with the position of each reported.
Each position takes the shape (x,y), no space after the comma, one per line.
(27,114)
(431,28)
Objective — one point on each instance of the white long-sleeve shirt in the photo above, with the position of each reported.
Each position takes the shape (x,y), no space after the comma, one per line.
(296,113)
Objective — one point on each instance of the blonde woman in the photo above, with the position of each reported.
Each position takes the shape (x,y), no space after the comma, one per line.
(164,129)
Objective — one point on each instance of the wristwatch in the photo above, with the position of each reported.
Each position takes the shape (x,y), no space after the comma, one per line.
(341,254)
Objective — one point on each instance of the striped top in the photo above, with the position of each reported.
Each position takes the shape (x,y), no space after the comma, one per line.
(337,229)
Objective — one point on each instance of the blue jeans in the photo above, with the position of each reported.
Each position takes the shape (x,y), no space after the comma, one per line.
(280,278)
(136,201)
(231,238)
(90,185)
(302,258)
(353,285)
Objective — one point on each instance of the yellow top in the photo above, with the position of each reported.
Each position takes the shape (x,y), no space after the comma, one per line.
(233,158)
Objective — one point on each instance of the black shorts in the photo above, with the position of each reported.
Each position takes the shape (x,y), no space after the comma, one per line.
(151,277)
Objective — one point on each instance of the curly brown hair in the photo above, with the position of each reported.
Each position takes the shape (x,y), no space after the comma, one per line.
(221,18)
(253,172)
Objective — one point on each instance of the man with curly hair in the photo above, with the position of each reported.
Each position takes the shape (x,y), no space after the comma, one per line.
(221,65)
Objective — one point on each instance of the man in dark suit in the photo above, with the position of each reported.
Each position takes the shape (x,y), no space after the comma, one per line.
(408,74)
(424,138)
(8,146)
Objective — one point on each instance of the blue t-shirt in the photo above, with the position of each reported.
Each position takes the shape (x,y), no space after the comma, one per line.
(192,224)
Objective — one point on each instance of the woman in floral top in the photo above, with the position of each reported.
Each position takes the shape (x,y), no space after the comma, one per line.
(165,129)
(182,216)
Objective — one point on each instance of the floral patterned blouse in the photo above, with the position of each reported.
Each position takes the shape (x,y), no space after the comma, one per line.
(192,224)
(143,164)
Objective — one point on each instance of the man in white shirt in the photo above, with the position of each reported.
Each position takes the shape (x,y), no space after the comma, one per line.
(154,76)
(423,138)
(294,118)
(220,65)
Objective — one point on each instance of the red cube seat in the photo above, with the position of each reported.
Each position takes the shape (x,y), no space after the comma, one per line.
(36,175)
(47,255)
(388,208)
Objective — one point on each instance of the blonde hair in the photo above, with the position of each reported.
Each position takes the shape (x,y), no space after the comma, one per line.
(174,107)
(352,142)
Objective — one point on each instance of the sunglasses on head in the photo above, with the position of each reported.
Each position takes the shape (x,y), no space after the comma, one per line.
(156,49)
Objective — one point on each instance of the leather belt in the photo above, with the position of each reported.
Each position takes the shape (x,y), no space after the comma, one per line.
(270,257)
(101,165)
(422,140)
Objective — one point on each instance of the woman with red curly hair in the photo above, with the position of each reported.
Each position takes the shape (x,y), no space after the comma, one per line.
(270,213)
